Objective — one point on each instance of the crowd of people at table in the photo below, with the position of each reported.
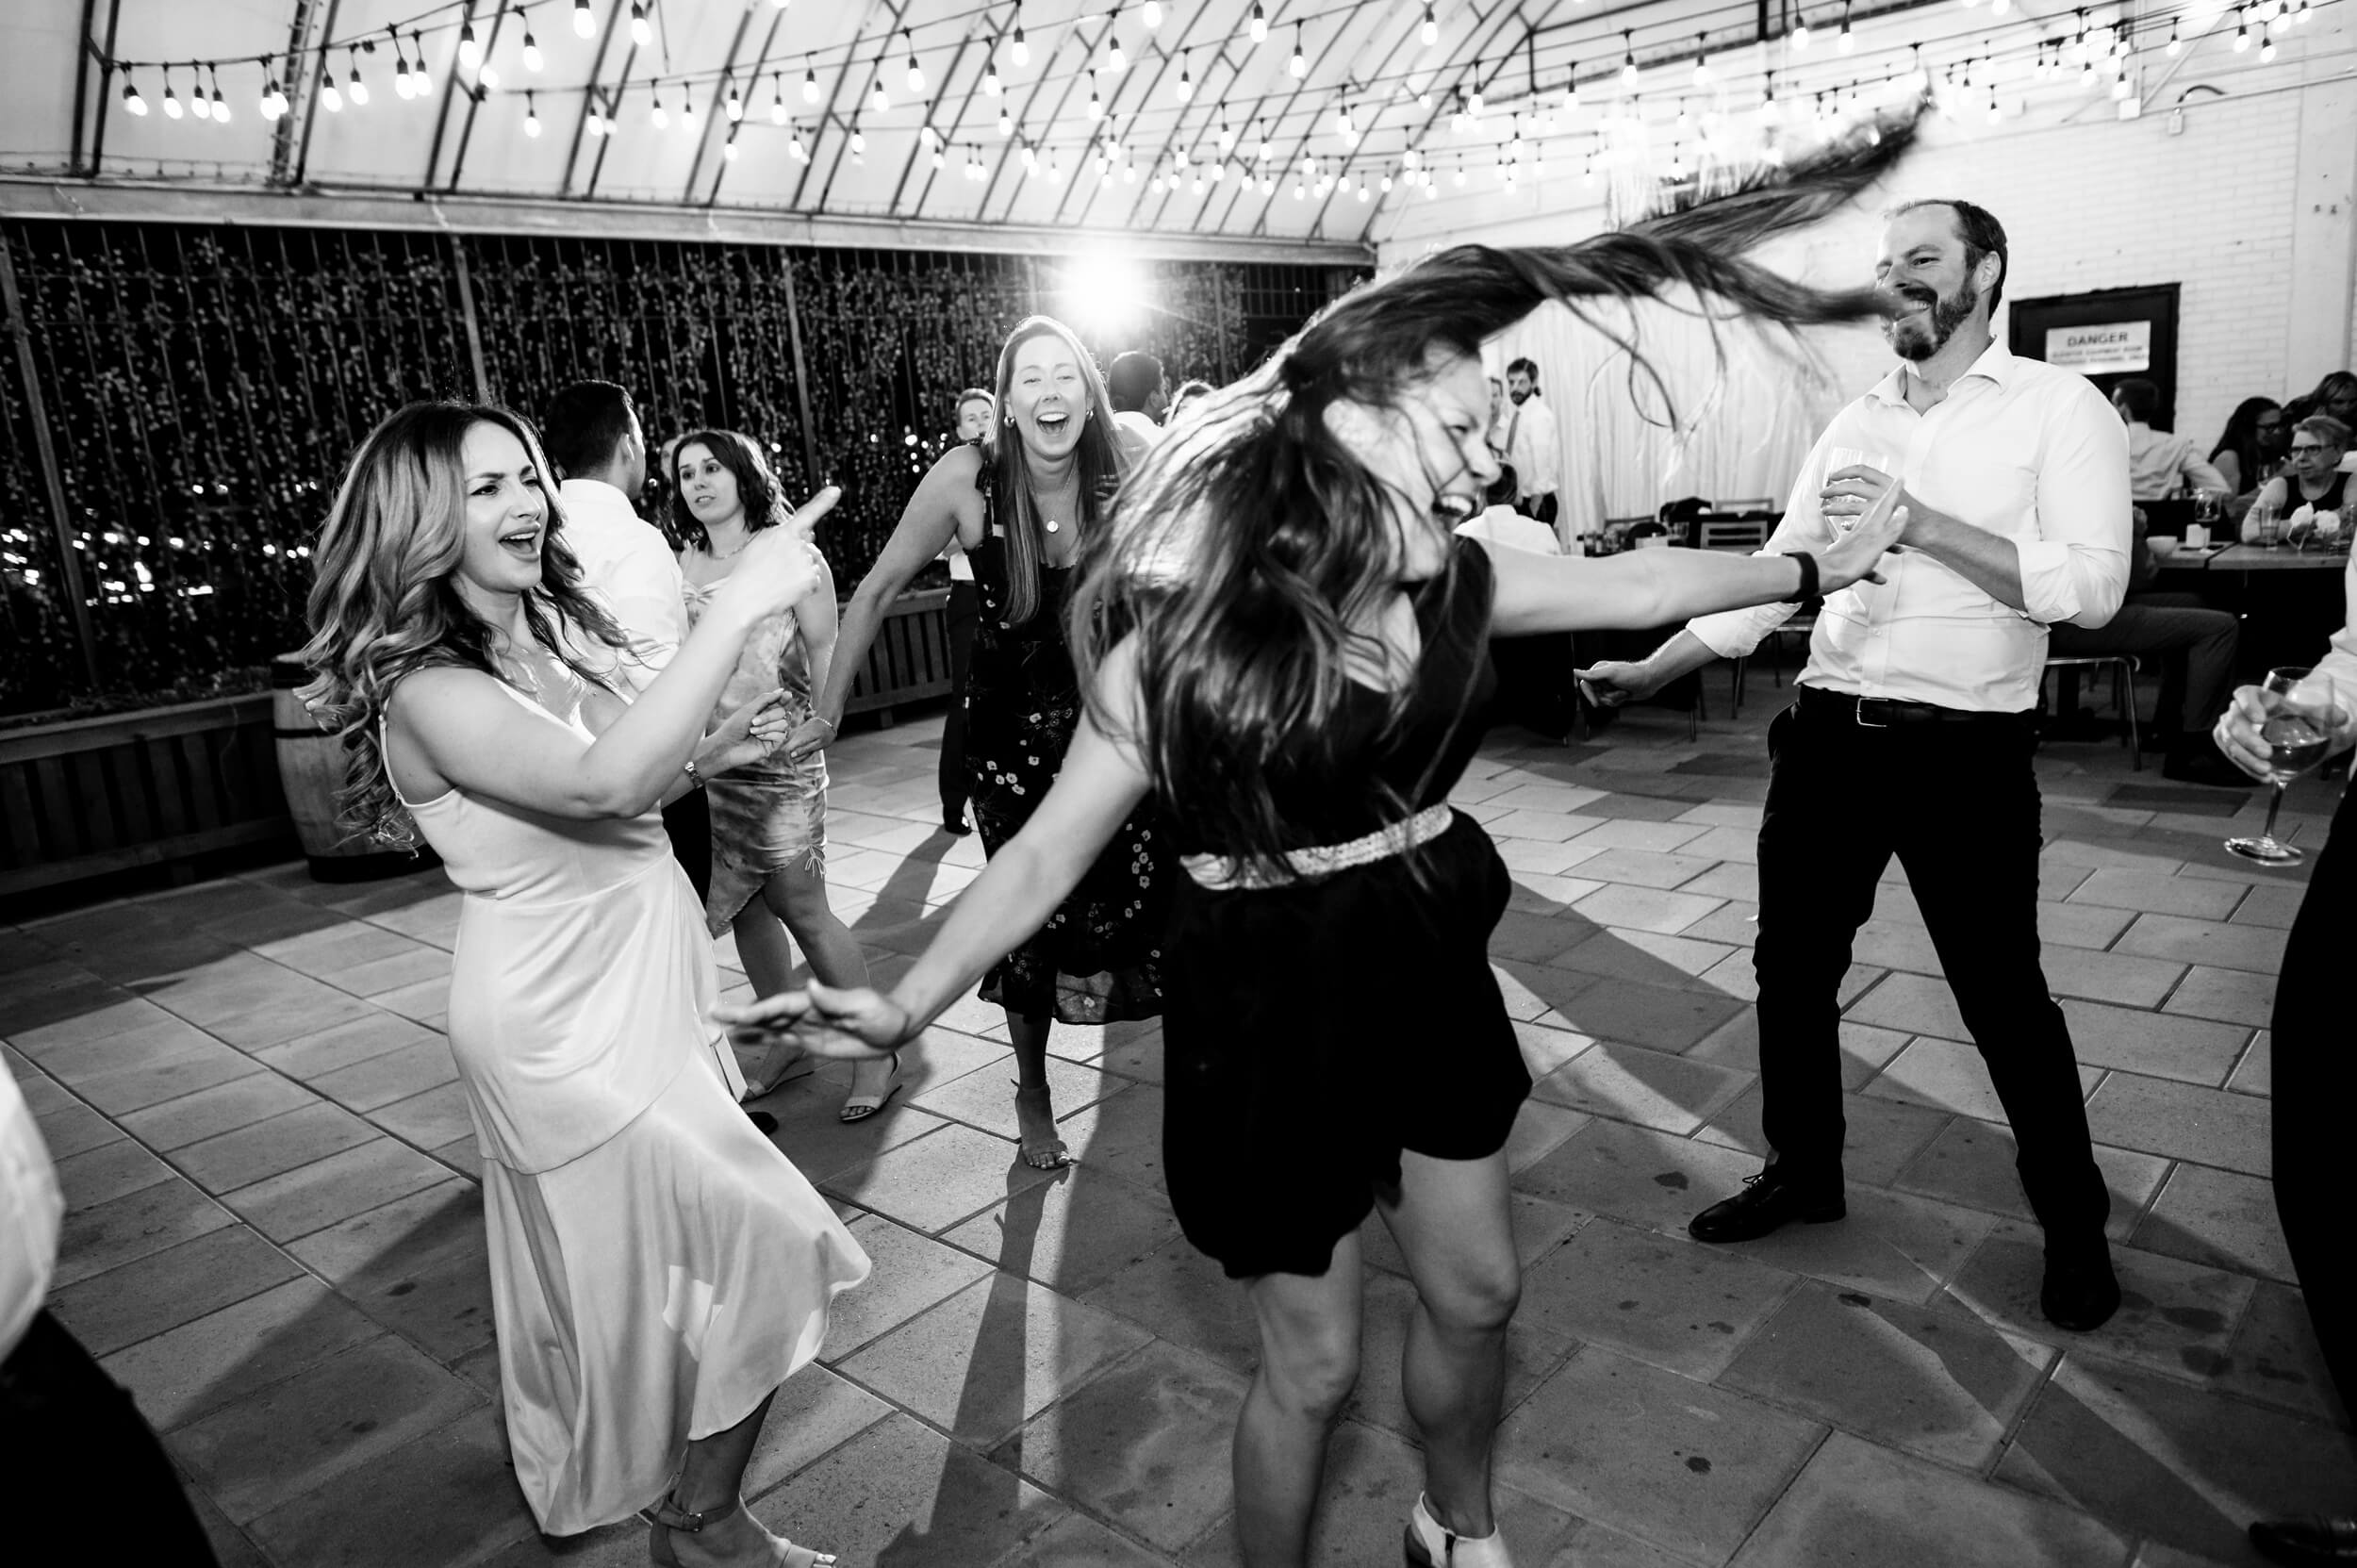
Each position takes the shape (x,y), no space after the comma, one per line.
(1229,651)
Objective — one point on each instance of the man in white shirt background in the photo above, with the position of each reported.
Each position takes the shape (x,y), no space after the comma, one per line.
(591,433)
(1139,391)
(1529,445)
(2161,466)
(2314,1075)
(975,409)
(1913,731)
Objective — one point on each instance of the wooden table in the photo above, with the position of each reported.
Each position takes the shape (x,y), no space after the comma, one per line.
(2288,601)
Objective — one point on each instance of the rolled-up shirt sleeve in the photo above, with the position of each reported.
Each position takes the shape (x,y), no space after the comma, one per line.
(645,599)
(2076,568)
(1733,634)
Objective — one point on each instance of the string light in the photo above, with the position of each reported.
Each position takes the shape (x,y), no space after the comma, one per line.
(776,97)
(810,83)
(879,101)
(659,116)
(1186,85)
(584,20)
(1019,51)
(470,47)
(1570,89)
(171,105)
(992,87)
(795,149)
(916,75)
(1113,56)
(1226,135)
(595,124)
(403,87)
(1628,60)
(1299,64)
(1701,66)
(1800,31)
(221,105)
(531,58)
(686,110)
(419,77)
(1153,15)
(859,139)
(1006,120)
(736,104)
(532,116)
(131,99)
(488,77)
(1847,40)
(1260,24)
(728,149)
(1096,105)
(1430,31)
(640,32)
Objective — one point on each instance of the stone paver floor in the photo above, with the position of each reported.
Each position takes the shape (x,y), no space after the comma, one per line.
(275,1233)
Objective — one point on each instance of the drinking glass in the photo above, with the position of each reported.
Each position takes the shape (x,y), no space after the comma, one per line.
(1843,514)
(2298,730)
(2209,512)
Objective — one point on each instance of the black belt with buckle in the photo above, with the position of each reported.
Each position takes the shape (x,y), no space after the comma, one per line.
(1883,713)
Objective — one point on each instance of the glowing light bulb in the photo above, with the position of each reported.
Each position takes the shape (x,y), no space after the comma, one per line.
(470,47)
(1800,33)
(531,58)
(584,20)
(992,87)
(1115,58)
(1628,61)
(687,111)
(641,32)
(171,105)
(221,107)
(131,99)
(736,104)
(402,86)
(532,116)
(1186,85)
(1299,64)
(1430,31)
(1006,120)
(1096,105)
(1153,15)
(659,116)
(776,99)
(1260,24)
(795,149)
(357,90)
(879,102)
(1701,66)
(810,84)
(1019,51)
(915,74)
(331,99)
(858,139)
(488,77)
(1848,41)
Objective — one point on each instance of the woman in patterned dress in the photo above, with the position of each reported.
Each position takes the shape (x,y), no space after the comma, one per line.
(1021,504)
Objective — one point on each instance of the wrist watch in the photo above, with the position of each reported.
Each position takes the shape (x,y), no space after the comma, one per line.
(1807,589)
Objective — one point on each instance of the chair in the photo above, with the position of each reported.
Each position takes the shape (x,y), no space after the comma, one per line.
(1721,534)
(2123,667)
(1763,503)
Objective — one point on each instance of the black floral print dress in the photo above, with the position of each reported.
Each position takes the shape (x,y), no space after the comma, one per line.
(1099,958)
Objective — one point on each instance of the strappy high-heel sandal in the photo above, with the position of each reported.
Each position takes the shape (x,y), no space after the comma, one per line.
(1430,1544)
(668,1516)
(858,1108)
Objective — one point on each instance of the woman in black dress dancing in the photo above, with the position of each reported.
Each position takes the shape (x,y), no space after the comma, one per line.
(1283,645)
(1023,503)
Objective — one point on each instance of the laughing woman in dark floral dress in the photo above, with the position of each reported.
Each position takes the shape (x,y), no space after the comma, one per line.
(1021,503)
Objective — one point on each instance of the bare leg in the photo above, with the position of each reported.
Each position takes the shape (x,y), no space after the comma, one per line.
(1309,1363)
(1034,1110)
(768,958)
(799,898)
(711,1483)
(1453,1226)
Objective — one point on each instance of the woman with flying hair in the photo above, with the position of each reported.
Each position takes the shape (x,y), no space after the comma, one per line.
(1284,649)
(657,1268)
(769,817)
(1025,502)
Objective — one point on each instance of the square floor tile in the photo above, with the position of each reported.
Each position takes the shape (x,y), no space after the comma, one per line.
(2158,1044)
(370,1516)
(1859,1506)
(1680,1463)
(265,1149)
(984,1098)
(1940,1385)
(396,1074)
(902,1493)
(309,1056)
(2221,1218)
(1179,1295)
(163,1290)
(2235,996)
(281,1442)
(204,1364)
(993,1356)
(2259,949)
(147,1219)
(96,1176)
(1972,1162)
(2188,1468)
(1145,1444)
(326,1192)
(1658,1017)
(1073,1233)
(1892,1243)
(1881,1135)
(2275,1358)
(418,1265)
(2210,1127)
(1650,1088)
(119,1092)
(2175,1316)
(910,1274)
(1532,1352)
(1948,1074)
(1638,1174)
(1672,1302)
(931,1183)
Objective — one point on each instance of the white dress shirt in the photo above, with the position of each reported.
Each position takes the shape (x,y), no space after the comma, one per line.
(626,562)
(1504,525)
(31,1209)
(2161,466)
(1531,445)
(2017,448)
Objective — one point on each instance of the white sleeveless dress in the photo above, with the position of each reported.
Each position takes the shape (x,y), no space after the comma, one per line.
(657,1266)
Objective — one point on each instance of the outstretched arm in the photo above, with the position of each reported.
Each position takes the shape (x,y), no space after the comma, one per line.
(1100,784)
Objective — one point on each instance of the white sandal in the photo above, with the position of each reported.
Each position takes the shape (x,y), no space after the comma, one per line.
(1432,1545)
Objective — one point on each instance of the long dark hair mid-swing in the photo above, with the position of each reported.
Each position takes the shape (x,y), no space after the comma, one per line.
(757,485)
(1010,466)
(1251,541)
(386,602)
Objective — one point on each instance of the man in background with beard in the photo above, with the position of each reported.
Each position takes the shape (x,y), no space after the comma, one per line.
(1913,731)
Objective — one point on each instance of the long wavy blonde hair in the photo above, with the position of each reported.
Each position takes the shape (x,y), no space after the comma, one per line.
(386,601)
(1009,466)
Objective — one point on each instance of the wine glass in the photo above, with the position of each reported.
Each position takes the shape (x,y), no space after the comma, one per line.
(1844,512)
(2298,730)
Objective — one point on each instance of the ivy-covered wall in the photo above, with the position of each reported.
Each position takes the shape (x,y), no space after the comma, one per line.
(202,387)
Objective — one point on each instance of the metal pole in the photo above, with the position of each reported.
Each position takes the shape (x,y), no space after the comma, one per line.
(801,368)
(466,311)
(53,479)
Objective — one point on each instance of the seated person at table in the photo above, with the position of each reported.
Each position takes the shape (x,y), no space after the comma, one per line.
(2196,647)
(2315,479)
(2161,466)
(2250,449)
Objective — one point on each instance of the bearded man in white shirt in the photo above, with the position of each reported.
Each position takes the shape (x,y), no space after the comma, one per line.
(1531,446)
(1919,694)
(594,441)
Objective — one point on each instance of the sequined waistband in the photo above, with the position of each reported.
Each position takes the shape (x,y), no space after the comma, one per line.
(1222,873)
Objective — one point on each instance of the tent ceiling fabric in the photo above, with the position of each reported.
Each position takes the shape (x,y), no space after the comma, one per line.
(863,160)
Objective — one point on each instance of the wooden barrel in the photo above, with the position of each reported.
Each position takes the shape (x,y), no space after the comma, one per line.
(311,769)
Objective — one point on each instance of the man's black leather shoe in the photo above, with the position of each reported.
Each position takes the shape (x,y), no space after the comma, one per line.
(2081,1292)
(2310,1538)
(1767,1202)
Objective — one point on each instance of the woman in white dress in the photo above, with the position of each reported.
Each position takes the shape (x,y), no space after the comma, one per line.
(657,1268)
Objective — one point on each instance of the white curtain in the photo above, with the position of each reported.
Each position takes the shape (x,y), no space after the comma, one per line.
(1748,403)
